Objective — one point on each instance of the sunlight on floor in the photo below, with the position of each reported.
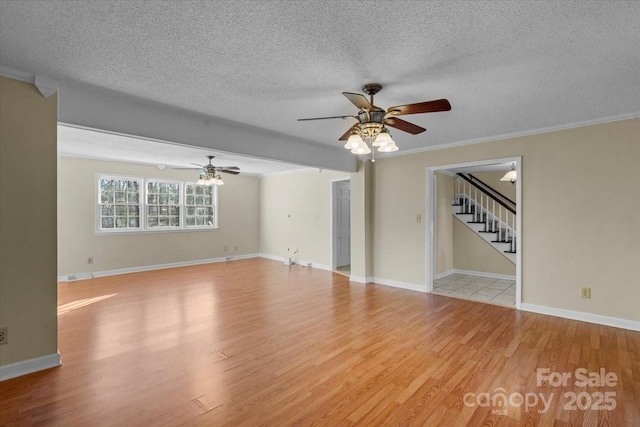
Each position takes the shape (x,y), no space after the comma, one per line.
(70,306)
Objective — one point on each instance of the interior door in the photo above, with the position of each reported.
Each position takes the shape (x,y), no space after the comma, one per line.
(343,224)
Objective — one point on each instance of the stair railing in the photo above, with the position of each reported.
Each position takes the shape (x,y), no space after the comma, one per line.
(498,216)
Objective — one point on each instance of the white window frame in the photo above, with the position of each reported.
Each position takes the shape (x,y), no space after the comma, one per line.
(143,229)
(147,205)
(99,204)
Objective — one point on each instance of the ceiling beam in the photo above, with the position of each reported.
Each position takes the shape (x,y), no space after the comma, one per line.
(89,109)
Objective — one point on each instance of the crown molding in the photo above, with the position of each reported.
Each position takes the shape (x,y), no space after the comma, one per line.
(538,131)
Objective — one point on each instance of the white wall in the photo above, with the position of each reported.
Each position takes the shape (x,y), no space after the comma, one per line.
(295,213)
(78,240)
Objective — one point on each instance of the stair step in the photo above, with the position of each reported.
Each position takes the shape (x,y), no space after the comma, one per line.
(509,252)
(475,222)
(482,231)
(501,241)
(465,213)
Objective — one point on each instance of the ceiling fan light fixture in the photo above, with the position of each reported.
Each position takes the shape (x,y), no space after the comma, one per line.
(382,139)
(219,180)
(362,148)
(202,180)
(388,148)
(353,142)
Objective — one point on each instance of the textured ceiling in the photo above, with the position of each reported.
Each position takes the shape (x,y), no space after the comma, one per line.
(506,67)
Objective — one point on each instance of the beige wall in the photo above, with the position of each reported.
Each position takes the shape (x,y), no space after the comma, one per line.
(295,213)
(444,223)
(471,252)
(578,230)
(493,179)
(238,221)
(28,293)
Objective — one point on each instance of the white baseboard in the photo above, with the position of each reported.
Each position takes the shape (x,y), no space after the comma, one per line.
(29,366)
(80,276)
(482,274)
(358,279)
(444,274)
(616,322)
(396,284)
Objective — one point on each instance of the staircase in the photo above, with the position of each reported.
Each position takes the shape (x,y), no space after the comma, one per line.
(487,212)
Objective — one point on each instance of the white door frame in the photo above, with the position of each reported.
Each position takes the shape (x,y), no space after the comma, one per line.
(431,219)
(334,229)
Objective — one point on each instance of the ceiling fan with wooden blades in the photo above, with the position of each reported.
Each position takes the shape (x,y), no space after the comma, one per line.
(372,120)
(211,174)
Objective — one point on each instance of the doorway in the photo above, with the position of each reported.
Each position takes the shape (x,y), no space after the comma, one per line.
(432,225)
(341,225)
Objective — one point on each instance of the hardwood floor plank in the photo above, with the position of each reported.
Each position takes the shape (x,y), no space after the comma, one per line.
(253,342)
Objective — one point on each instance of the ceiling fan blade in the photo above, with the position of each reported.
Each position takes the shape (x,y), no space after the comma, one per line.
(325,118)
(184,169)
(195,164)
(404,125)
(358,100)
(234,168)
(421,107)
(231,171)
(347,134)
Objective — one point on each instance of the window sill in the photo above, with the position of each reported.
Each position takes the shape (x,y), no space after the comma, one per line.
(158,231)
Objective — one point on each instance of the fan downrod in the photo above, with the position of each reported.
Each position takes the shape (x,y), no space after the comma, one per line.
(371,88)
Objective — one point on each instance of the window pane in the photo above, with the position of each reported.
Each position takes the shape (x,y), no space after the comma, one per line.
(152,187)
(132,197)
(191,220)
(107,210)
(208,190)
(121,222)
(134,222)
(190,200)
(199,189)
(152,210)
(174,221)
(121,209)
(164,221)
(191,210)
(152,221)
(152,199)
(107,222)
(189,189)
(134,210)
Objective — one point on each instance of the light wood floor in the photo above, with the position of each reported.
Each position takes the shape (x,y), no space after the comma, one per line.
(254,342)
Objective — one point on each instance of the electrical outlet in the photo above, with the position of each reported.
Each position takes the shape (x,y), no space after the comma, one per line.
(418,218)
(585,293)
(4,335)
(90,260)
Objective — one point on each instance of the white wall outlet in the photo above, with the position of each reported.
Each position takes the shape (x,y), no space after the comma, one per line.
(585,293)
(4,335)
(90,260)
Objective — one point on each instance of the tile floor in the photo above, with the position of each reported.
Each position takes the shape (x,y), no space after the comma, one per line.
(476,288)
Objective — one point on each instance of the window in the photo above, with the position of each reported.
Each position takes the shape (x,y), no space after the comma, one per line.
(119,203)
(127,204)
(199,204)
(163,204)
